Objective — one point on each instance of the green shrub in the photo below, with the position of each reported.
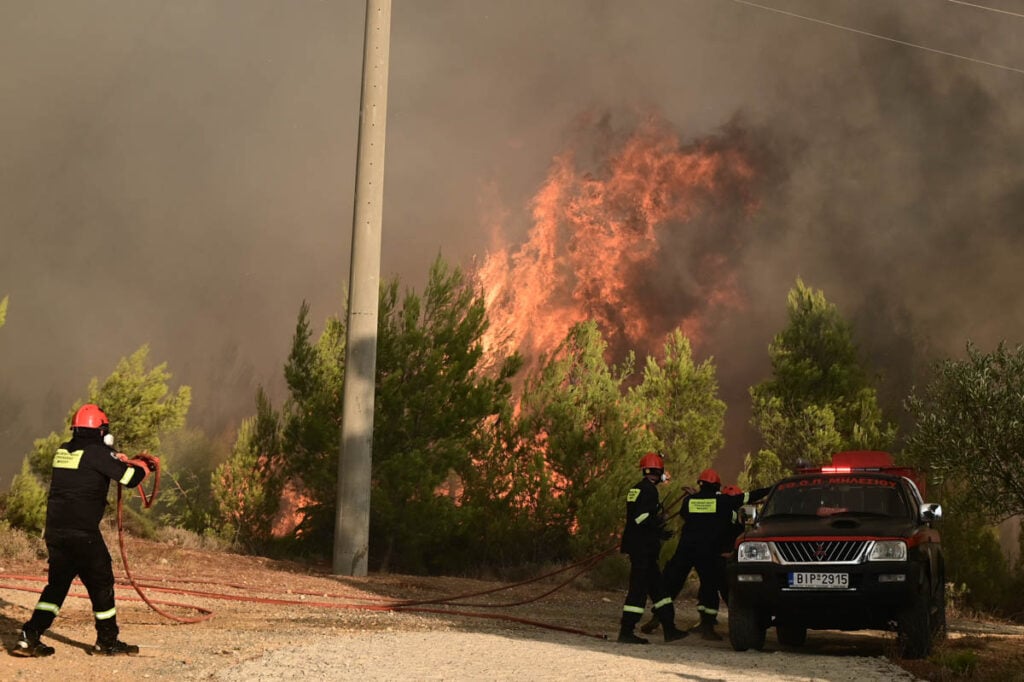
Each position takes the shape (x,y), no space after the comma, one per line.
(26,501)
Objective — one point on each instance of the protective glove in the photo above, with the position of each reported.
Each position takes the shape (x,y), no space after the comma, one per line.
(142,464)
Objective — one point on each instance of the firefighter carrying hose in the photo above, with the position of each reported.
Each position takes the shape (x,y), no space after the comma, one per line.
(82,470)
(641,540)
(707,519)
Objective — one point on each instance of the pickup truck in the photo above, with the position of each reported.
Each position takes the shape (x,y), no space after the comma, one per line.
(849,546)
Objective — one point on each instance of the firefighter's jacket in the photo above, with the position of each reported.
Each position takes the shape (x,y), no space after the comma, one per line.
(708,515)
(645,520)
(82,471)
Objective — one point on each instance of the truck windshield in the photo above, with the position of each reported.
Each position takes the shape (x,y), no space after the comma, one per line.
(831,496)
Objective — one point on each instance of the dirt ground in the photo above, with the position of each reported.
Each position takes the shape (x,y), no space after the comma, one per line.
(313,626)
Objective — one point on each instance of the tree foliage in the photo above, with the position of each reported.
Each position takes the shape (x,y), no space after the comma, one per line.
(584,432)
(430,406)
(576,419)
(432,401)
(679,404)
(139,403)
(969,428)
(140,407)
(464,475)
(247,487)
(311,422)
(819,398)
(26,501)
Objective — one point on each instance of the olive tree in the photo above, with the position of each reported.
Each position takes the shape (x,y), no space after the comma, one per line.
(969,428)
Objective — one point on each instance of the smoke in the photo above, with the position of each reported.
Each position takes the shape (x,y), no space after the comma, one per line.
(181,174)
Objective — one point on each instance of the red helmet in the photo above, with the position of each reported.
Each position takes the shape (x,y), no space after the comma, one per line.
(90,416)
(651,461)
(732,490)
(709,476)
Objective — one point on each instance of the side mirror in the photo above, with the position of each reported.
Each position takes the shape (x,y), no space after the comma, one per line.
(930,511)
(748,515)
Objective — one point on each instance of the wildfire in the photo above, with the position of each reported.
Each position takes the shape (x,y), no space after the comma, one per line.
(641,243)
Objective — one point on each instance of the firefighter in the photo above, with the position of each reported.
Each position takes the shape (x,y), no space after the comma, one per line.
(707,517)
(642,536)
(82,470)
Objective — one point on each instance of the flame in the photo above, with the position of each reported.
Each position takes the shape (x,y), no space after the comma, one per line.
(643,244)
(289,512)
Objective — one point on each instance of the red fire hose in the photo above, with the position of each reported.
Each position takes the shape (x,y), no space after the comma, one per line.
(418,606)
(153,464)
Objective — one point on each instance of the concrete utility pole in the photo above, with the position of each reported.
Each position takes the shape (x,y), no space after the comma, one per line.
(352,523)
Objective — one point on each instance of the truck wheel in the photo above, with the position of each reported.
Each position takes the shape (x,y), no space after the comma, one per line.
(913,627)
(790,634)
(745,628)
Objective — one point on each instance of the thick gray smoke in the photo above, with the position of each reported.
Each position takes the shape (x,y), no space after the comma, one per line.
(180,174)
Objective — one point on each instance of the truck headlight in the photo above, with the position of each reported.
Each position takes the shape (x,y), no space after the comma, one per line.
(888,550)
(753,551)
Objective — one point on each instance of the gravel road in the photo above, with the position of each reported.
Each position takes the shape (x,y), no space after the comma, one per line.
(486,656)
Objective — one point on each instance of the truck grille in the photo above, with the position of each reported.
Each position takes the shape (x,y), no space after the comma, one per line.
(820,552)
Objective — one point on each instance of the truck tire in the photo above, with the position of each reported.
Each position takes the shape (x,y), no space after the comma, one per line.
(790,634)
(745,628)
(914,628)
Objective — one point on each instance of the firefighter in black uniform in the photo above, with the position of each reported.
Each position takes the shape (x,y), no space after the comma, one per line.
(82,470)
(641,540)
(707,517)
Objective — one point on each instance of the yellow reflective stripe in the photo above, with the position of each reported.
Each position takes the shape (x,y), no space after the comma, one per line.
(129,472)
(746,498)
(663,602)
(47,606)
(67,460)
(632,494)
(640,519)
(633,609)
(704,609)
(105,615)
(703,505)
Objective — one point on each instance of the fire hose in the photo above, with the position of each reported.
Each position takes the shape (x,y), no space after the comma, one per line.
(153,464)
(419,606)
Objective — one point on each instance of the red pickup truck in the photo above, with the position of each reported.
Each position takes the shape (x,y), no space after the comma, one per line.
(847,546)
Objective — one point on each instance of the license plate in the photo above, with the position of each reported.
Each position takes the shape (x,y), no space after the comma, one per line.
(819,581)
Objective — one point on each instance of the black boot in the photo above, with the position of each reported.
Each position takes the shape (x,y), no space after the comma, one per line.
(114,648)
(626,636)
(29,646)
(672,633)
(707,628)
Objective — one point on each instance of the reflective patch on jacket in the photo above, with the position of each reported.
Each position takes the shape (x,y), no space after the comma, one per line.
(703,505)
(632,494)
(67,460)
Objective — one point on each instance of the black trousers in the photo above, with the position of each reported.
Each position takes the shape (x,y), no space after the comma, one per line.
(645,580)
(83,554)
(706,559)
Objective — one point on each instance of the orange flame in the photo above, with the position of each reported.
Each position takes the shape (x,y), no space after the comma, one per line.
(642,245)
(289,512)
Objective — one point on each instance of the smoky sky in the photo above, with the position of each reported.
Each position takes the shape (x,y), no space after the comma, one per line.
(181,174)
